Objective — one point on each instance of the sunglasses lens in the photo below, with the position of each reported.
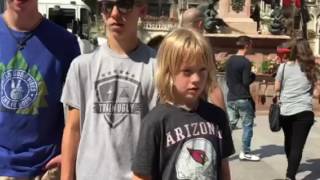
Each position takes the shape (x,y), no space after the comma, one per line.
(122,7)
(123,10)
(106,7)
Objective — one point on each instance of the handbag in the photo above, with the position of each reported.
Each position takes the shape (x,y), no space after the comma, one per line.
(274,117)
(274,110)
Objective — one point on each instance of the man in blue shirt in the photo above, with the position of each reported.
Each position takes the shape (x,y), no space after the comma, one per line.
(35,55)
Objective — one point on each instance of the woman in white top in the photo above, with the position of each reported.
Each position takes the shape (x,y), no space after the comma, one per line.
(298,86)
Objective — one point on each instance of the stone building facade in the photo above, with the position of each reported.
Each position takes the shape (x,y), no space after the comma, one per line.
(165,14)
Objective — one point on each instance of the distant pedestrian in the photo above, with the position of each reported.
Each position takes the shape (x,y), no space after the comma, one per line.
(297,115)
(240,104)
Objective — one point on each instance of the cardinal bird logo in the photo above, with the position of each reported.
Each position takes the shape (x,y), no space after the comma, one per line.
(198,155)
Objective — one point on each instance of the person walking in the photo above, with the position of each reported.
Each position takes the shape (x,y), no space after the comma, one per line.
(194,18)
(35,55)
(184,137)
(240,104)
(108,92)
(296,108)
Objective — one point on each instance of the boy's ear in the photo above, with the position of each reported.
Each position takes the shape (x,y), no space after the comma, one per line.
(200,25)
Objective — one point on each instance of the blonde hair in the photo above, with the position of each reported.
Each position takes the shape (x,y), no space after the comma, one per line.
(182,45)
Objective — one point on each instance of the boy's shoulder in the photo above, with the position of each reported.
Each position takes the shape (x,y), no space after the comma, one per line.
(160,112)
(210,111)
(87,59)
(210,107)
(151,52)
(144,54)
(162,109)
(56,31)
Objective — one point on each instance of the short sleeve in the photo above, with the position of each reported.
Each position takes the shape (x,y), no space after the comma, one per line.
(152,91)
(279,72)
(227,142)
(146,159)
(71,90)
(76,48)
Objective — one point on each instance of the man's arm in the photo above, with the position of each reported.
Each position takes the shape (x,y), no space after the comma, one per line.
(225,170)
(70,143)
(247,76)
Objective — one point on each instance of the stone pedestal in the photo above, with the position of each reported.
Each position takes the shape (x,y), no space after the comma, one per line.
(241,25)
(238,22)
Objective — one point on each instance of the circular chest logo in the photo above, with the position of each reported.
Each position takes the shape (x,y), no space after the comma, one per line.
(18,89)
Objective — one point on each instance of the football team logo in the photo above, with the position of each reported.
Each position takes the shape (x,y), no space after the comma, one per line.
(197,160)
(198,156)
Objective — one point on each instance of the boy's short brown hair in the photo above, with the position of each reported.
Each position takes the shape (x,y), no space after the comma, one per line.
(243,41)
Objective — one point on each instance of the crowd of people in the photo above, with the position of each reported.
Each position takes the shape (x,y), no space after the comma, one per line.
(125,111)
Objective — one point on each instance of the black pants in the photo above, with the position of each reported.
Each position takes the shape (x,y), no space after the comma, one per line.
(296,129)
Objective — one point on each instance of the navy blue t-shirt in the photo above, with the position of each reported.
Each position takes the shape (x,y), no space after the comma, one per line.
(31,116)
(179,144)
(239,77)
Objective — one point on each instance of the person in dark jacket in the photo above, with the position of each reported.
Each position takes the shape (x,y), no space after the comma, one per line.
(240,104)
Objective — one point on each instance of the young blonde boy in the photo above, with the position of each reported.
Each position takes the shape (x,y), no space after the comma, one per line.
(184,137)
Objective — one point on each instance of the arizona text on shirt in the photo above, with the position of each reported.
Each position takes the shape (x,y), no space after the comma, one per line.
(192,130)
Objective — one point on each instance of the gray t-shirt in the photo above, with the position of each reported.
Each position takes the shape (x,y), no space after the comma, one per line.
(296,93)
(113,93)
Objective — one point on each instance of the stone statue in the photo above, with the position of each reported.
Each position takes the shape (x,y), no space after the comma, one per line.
(211,23)
(277,26)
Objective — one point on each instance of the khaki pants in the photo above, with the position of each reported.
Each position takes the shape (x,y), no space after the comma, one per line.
(51,174)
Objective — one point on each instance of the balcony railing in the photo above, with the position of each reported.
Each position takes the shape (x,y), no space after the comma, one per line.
(158,24)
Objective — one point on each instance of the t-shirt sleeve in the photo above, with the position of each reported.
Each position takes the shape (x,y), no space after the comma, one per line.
(76,51)
(279,72)
(227,142)
(146,159)
(152,92)
(71,90)
(70,53)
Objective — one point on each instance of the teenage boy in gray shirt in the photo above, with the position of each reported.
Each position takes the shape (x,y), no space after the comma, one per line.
(108,92)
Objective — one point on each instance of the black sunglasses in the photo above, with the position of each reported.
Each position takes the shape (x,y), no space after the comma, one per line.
(122,6)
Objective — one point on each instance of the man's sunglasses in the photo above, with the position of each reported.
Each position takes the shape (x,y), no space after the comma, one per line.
(122,6)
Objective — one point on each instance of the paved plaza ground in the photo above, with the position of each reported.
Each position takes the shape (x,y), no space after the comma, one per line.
(269,146)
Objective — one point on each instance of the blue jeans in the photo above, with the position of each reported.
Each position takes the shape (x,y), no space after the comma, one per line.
(242,109)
